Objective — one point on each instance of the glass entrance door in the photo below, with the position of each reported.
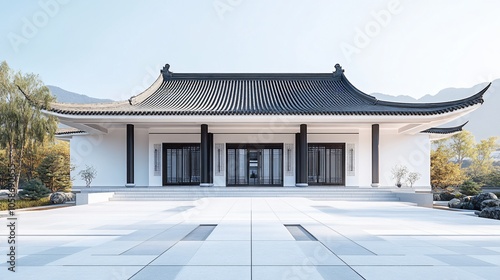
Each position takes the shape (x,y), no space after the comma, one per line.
(181,164)
(254,164)
(326,164)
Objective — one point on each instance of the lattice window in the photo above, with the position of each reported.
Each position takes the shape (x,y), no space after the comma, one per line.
(351,160)
(157,159)
(219,159)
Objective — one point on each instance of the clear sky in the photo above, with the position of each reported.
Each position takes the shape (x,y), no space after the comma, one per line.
(114,49)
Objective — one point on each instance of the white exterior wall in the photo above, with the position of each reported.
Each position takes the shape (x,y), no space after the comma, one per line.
(141,157)
(364,153)
(412,151)
(106,153)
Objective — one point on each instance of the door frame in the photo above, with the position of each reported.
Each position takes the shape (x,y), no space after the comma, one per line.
(252,146)
(166,146)
(341,146)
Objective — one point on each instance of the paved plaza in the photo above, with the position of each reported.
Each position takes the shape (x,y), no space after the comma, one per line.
(253,238)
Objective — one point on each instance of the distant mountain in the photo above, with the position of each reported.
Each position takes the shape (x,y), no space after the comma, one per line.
(482,122)
(65,96)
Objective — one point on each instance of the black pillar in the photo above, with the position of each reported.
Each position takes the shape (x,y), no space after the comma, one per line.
(303,156)
(205,178)
(130,156)
(297,158)
(375,155)
(211,158)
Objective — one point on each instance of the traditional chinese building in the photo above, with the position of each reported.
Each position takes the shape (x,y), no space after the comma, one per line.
(256,130)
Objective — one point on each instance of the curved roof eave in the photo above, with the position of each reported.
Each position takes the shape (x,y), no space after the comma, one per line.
(445,130)
(475,98)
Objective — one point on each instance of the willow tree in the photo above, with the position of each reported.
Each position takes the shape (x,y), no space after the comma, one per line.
(22,99)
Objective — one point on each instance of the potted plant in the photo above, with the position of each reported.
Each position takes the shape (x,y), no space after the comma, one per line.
(399,173)
(88,174)
(412,178)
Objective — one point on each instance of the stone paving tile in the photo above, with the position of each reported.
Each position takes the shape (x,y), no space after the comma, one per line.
(150,248)
(398,272)
(195,272)
(356,240)
(304,272)
(461,260)
(98,272)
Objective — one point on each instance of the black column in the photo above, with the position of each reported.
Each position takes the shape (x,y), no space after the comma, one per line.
(297,158)
(204,157)
(130,156)
(211,158)
(303,156)
(375,155)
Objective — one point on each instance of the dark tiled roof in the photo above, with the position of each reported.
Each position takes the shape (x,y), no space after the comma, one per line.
(444,130)
(67,131)
(260,94)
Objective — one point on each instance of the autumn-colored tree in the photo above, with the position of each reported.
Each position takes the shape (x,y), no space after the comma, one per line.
(482,162)
(36,152)
(462,146)
(444,172)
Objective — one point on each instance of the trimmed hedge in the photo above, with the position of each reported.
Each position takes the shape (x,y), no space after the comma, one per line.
(20,204)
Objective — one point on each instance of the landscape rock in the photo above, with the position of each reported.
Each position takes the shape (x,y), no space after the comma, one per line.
(490,212)
(455,203)
(478,199)
(446,196)
(490,203)
(60,197)
(467,203)
(477,202)
(443,196)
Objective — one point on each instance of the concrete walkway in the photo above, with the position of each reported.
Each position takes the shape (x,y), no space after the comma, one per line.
(350,240)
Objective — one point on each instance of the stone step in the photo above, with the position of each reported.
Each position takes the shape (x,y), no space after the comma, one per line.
(197,193)
(193,198)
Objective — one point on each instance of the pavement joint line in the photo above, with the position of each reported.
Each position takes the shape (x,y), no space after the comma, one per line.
(335,231)
(149,239)
(148,264)
(341,259)
(251,239)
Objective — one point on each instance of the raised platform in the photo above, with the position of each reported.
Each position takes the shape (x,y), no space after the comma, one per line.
(194,193)
(190,193)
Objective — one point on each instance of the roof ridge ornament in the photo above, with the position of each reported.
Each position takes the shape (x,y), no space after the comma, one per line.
(166,72)
(338,71)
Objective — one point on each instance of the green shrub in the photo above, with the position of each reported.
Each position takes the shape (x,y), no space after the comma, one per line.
(20,204)
(55,173)
(34,190)
(470,187)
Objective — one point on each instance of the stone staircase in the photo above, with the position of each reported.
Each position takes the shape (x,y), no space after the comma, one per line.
(194,193)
